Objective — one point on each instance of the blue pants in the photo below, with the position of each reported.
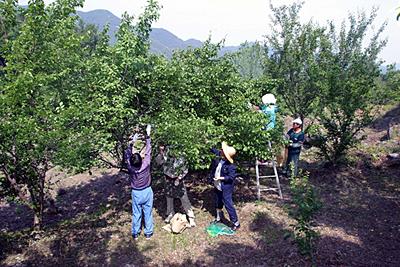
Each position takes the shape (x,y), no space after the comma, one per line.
(224,197)
(292,157)
(142,201)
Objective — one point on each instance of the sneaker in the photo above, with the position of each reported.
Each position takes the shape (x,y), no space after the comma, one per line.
(235,227)
(148,236)
(192,222)
(169,217)
(135,236)
(216,220)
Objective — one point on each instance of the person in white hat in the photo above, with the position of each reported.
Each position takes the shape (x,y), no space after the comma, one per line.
(296,138)
(269,108)
(222,176)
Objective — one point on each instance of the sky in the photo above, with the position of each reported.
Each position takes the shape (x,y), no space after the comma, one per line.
(239,20)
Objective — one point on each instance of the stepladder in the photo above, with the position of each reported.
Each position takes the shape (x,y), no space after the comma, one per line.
(267,164)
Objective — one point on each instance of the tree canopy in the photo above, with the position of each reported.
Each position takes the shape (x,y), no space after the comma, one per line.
(70,99)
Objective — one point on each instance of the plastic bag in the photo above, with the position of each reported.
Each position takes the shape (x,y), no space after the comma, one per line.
(216,229)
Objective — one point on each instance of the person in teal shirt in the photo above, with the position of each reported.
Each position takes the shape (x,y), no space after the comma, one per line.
(270,109)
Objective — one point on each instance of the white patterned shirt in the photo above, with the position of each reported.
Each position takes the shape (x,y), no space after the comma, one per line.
(217,183)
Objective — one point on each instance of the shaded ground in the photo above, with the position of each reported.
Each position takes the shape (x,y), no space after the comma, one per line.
(391,116)
(358,224)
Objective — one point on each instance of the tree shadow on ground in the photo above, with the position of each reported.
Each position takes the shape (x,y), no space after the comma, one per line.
(83,198)
(86,242)
(88,230)
(392,116)
(361,208)
(360,234)
(14,217)
(268,247)
(108,189)
(354,203)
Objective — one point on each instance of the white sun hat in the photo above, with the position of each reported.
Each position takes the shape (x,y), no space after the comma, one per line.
(298,121)
(268,99)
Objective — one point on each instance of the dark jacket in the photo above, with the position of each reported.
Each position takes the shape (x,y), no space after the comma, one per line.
(228,171)
(297,140)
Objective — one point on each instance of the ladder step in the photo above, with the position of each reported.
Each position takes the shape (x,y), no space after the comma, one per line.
(273,164)
(270,189)
(267,176)
(269,164)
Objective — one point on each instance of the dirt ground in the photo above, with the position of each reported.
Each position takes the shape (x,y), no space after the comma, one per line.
(358,224)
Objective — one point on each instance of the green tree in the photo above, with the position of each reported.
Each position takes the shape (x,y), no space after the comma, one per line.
(11,17)
(115,99)
(391,85)
(249,60)
(91,36)
(293,58)
(201,100)
(42,67)
(352,67)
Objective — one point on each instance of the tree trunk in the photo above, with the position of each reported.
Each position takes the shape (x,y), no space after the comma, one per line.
(38,217)
(37,220)
(302,120)
(13,182)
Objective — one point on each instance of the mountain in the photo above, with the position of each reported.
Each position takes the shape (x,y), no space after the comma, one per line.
(100,18)
(162,41)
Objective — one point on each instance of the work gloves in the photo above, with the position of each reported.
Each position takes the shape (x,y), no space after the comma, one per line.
(148,129)
(133,138)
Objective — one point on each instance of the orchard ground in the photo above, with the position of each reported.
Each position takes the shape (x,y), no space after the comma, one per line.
(358,223)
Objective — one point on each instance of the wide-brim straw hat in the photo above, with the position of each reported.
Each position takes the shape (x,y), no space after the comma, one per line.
(229,151)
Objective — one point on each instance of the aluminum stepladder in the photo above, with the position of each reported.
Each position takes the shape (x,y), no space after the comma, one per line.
(270,163)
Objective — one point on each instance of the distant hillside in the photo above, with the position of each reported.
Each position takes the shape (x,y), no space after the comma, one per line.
(100,18)
(162,41)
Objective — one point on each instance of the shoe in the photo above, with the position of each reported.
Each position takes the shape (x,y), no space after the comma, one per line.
(135,236)
(148,236)
(192,222)
(235,227)
(216,220)
(190,214)
(169,217)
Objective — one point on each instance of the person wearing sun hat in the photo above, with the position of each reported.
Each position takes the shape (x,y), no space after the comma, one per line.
(269,109)
(222,176)
(296,138)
